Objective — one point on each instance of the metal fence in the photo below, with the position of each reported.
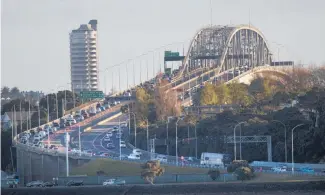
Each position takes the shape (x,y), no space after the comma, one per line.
(175,178)
(296,165)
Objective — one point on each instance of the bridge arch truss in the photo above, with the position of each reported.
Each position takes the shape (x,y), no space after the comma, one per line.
(226,47)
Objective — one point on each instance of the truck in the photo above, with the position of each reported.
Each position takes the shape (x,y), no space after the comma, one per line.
(215,159)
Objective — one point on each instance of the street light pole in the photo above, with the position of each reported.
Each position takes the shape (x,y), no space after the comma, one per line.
(285,139)
(67,138)
(176,142)
(39,111)
(79,140)
(167,136)
(235,152)
(48,108)
(57,106)
(147,135)
(135,130)
(195,141)
(292,157)
(29,116)
(119,128)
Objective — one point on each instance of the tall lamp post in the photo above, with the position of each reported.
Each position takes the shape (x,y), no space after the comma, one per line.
(167,130)
(65,96)
(285,139)
(292,149)
(235,152)
(135,130)
(177,141)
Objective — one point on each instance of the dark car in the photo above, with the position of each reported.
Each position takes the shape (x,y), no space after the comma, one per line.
(55,124)
(35,184)
(75,183)
(49,184)
(67,124)
(110,146)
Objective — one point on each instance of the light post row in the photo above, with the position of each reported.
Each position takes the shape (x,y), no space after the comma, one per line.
(127,62)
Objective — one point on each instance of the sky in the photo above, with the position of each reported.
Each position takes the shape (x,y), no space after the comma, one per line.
(35,35)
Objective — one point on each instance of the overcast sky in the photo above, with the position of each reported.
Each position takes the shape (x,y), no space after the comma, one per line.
(35,33)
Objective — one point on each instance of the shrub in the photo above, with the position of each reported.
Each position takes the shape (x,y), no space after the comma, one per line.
(236,164)
(244,173)
(214,174)
(151,170)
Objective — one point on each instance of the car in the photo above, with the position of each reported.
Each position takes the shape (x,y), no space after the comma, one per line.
(279,169)
(49,184)
(54,147)
(104,154)
(118,135)
(75,183)
(55,124)
(161,158)
(134,157)
(102,108)
(137,152)
(118,102)
(37,136)
(110,146)
(107,139)
(115,129)
(85,115)
(109,134)
(114,182)
(122,144)
(37,183)
(124,125)
(306,170)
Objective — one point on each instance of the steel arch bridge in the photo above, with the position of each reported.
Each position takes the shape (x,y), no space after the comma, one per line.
(226,47)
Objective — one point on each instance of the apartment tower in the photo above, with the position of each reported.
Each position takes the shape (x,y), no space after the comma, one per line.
(84,58)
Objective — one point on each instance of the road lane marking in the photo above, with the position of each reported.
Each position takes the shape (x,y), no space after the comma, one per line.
(110,118)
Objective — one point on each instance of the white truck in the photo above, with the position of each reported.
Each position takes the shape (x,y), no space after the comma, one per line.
(212,159)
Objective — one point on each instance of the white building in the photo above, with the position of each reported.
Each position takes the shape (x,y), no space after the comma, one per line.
(84,58)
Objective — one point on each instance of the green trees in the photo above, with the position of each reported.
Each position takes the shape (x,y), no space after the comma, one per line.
(208,95)
(232,93)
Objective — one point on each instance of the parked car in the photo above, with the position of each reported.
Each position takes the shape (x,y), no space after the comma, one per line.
(49,184)
(37,183)
(114,182)
(279,169)
(75,183)
(306,170)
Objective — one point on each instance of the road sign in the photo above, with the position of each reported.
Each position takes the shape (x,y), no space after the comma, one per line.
(91,94)
(171,54)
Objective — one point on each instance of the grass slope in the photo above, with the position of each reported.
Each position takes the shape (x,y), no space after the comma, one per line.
(124,168)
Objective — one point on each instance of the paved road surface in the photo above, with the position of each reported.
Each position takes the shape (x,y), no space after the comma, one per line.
(298,188)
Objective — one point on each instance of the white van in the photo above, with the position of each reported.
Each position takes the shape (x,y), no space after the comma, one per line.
(215,159)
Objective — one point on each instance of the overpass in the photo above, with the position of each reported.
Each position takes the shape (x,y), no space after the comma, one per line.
(217,52)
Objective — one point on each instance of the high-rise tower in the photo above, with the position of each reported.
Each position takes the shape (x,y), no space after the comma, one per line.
(84,58)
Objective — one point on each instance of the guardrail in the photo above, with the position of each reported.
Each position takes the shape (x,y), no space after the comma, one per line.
(277,164)
(172,178)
